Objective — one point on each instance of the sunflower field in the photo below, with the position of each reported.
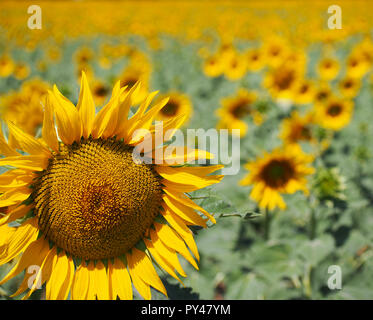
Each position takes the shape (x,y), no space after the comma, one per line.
(291,81)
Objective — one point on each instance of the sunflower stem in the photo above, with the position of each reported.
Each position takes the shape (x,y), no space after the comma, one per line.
(267,223)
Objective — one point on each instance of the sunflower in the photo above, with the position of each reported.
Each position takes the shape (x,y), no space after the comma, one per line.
(322,93)
(100,92)
(6,66)
(357,65)
(297,128)
(255,59)
(84,55)
(304,92)
(284,170)
(349,87)
(335,113)
(328,68)
(90,216)
(235,109)
(275,50)
(178,104)
(24,107)
(21,71)
(282,81)
(213,66)
(235,66)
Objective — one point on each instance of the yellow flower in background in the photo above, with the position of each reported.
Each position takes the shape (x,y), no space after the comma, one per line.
(282,81)
(100,92)
(283,171)
(213,66)
(335,113)
(92,218)
(357,65)
(235,66)
(255,59)
(6,66)
(25,107)
(349,87)
(322,93)
(84,55)
(304,92)
(297,128)
(275,51)
(21,71)
(178,104)
(54,53)
(328,69)
(236,109)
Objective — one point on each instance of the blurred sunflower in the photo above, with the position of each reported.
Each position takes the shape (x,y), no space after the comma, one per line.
(334,114)
(92,218)
(297,128)
(275,50)
(322,93)
(304,92)
(84,55)
(21,71)
(349,87)
(328,68)
(235,109)
(282,81)
(213,66)
(235,66)
(357,66)
(284,170)
(6,66)
(177,105)
(24,107)
(255,60)
(100,92)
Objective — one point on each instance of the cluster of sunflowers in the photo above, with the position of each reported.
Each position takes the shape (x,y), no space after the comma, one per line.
(77,98)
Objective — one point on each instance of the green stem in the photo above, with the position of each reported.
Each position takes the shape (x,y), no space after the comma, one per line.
(267,224)
(313,222)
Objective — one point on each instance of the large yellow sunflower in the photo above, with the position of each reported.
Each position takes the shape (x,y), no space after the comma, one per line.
(89,216)
(284,170)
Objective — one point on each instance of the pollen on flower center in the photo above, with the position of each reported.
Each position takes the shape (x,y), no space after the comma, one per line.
(93,201)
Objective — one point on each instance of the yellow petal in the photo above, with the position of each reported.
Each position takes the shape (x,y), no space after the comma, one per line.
(32,163)
(19,240)
(142,265)
(142,287)
(14,196)
(119,281)
(180,197)
(67,117)
(170,238)
(184,212)
(16,213)
(27,142)
(80,283)
(86,106)
(49,131)
(58,285)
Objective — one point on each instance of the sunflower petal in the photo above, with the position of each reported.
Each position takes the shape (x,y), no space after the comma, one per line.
(119,281)
(86,106)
